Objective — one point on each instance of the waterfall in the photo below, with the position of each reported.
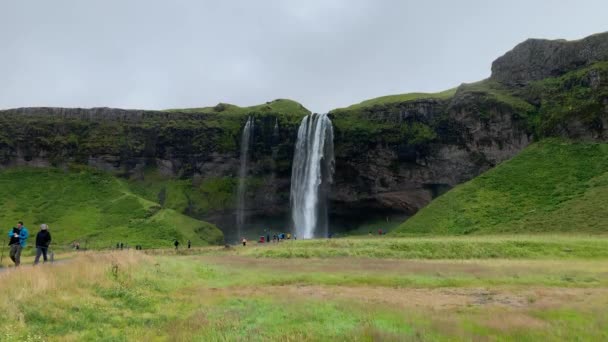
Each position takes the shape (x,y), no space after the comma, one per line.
(275,140)
(311,176)
(246,141)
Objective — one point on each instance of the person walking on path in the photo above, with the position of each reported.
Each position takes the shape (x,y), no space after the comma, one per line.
(18,237)
(43,240)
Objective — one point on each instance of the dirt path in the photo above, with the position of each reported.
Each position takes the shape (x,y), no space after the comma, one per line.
(436,299)
(476,268)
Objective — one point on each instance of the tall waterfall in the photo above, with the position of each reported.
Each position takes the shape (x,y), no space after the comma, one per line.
(246,142)
(311,176)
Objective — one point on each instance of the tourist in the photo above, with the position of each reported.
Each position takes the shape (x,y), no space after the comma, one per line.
(43,240)
(294,236)
(288,236)
(268,238)
(176,244)
(244,242)
(189,244)
(18,237)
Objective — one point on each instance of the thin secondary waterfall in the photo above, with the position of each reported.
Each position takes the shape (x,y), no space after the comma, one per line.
(246,142)
(275,140)
(311,176)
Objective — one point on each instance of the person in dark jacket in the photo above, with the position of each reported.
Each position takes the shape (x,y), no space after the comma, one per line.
(43,240)
(18,237)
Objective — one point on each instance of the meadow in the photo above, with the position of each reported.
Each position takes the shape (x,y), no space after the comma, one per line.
(421,289)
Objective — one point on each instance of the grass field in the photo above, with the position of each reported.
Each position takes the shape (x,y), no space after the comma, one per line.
(264,292)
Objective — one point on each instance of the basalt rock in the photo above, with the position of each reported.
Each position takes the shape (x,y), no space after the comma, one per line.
(536,59)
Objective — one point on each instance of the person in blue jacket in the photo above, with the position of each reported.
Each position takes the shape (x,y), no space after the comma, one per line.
(18,237)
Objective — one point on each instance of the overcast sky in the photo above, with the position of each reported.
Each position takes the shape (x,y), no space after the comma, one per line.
(323,53)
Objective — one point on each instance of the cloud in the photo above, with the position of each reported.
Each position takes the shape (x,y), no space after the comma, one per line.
(325,54)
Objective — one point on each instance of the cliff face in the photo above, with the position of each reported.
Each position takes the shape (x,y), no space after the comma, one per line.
(393,154)
(421,149)
(536,59)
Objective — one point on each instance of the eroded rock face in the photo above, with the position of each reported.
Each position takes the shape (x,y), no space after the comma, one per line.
(400,178)
(536,59)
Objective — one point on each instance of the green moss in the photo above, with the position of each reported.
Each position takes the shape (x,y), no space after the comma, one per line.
(578,95)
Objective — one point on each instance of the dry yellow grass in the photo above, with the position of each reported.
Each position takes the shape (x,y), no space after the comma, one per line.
(63,279)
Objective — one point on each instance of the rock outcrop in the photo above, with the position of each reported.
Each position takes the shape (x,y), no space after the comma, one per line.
(536,59)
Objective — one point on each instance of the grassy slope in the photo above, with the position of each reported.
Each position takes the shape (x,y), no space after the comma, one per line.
(552,186)
(281,106)
(91,206)
(212,194)
(446,94)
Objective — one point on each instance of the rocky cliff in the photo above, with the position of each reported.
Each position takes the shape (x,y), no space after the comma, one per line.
(393,154)
(536,59)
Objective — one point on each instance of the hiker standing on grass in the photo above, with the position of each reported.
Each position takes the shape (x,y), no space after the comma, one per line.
(176,244)
(244,242)
(18,236)
(43,240)
(189,244)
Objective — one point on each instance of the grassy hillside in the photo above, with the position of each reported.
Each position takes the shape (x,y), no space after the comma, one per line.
(552,186)
(90,206)
(282,107)
(444,95)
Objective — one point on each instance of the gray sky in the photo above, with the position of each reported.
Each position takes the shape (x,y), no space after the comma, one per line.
(323,53)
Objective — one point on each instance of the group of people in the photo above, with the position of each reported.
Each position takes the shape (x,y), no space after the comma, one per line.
(176,244)
(380,232)
(18,240)
(276,237)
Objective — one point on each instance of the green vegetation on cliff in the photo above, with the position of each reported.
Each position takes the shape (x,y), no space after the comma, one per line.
(443,95)
(195,198)
(93,207)
(575,98)
(280,106)
(552,186)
